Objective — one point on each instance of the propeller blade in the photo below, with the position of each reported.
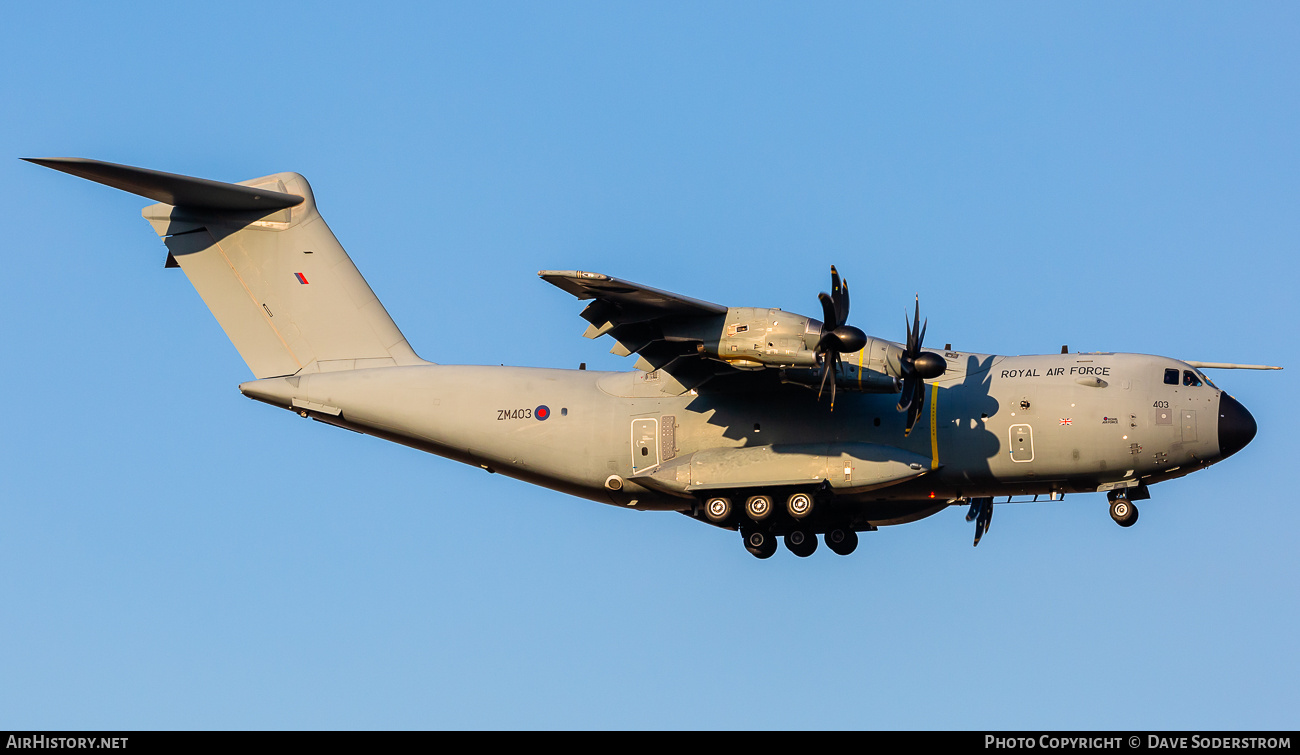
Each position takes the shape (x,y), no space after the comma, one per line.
(828,313)
(840,296)
(835,365)
(826,363)
(985,518)
(908,394)
(914,410)
(844,317)
(916,324)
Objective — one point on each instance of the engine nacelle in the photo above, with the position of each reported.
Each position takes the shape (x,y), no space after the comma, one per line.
(874,369)
(752,338)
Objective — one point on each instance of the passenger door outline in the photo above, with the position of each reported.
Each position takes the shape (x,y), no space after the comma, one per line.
(1021,438)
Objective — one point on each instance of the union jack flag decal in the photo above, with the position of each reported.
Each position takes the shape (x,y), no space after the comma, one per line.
(1065,420)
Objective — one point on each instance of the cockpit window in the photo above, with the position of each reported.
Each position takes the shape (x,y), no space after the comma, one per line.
(1171,377)
(1190,380)
(1208,381)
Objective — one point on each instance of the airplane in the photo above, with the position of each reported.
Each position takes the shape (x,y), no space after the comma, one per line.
(751,419)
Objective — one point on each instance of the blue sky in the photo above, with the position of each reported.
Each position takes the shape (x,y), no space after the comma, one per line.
(1110,176)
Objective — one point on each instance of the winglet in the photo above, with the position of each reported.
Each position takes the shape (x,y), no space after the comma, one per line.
(171,188)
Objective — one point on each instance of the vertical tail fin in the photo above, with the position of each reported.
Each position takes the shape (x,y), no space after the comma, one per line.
(267,265)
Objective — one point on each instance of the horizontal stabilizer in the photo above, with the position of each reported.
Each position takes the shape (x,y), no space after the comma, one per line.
(172,189)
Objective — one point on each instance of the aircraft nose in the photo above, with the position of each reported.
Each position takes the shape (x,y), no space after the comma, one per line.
(1236,426)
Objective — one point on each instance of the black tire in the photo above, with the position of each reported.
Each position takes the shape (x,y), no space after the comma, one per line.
(758,507)
(760,544)
(717,509)
(1123,512)
(801,543)
(799,505)
(842,540)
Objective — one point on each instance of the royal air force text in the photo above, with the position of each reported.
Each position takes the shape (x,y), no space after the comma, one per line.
(1029,372)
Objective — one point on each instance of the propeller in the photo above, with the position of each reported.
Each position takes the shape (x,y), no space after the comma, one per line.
(917,366)
(981,511)
(837,336)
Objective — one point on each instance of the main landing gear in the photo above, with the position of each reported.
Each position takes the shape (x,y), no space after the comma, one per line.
(796,517)
(842,540)
(801,542)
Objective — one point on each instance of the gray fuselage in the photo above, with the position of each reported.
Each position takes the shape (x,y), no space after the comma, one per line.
(992,425)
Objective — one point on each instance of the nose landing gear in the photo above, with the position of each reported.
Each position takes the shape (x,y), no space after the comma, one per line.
(1122,509)
(1123,512)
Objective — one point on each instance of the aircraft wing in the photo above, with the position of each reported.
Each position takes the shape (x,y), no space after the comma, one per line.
(636,316)
(631,299)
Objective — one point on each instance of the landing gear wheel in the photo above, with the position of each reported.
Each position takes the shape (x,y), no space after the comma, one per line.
(842,541)
(801,543)
(799,505)
(759,507)
(717,509)
(759,543)
(1123,512)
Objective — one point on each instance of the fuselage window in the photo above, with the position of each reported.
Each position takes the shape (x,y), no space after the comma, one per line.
(1171,377)
(1190,380)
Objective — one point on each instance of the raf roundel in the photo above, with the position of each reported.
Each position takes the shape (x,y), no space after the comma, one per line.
(542,412)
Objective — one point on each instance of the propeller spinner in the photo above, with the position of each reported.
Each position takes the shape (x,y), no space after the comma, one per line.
(838,337)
